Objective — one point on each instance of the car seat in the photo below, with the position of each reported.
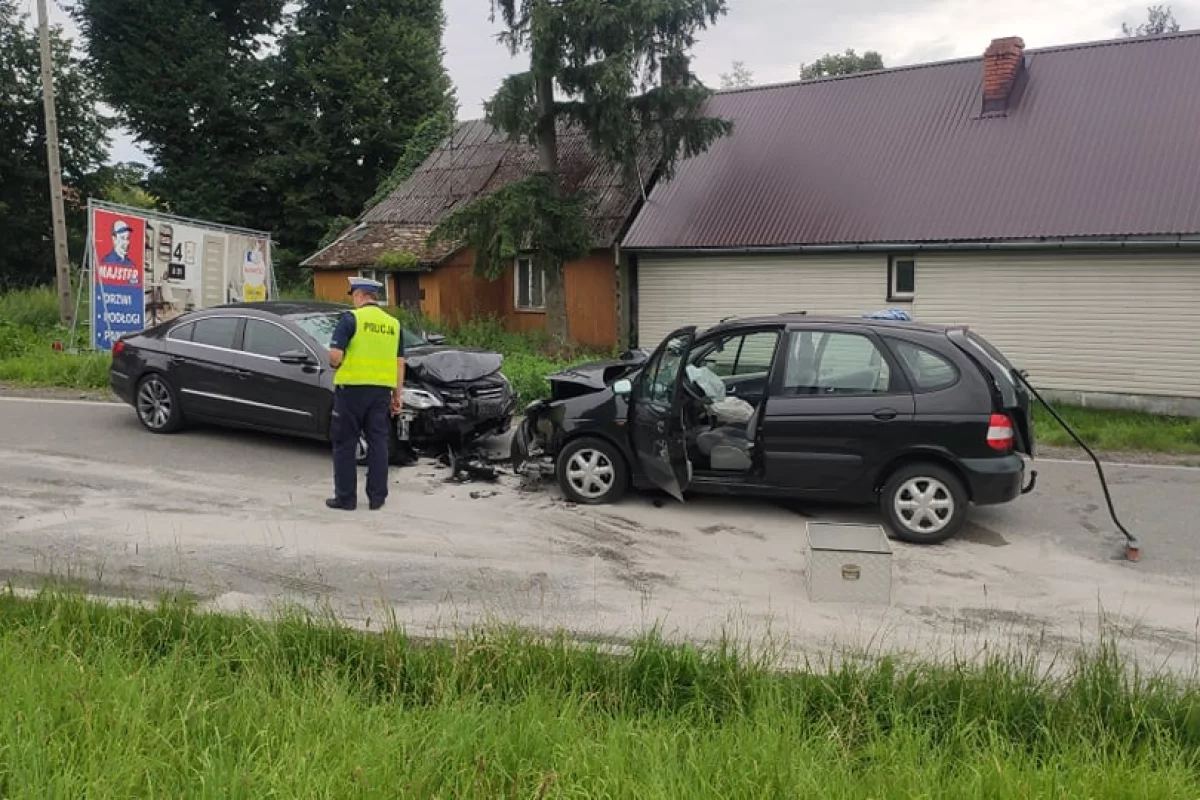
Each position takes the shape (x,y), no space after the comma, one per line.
(728,448)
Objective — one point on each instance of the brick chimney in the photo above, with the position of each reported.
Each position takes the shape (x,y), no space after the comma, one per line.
(1002,64)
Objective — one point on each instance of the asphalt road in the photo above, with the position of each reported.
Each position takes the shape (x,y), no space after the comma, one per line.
(238,519)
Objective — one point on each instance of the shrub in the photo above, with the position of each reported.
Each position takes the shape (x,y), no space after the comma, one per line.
(35,309)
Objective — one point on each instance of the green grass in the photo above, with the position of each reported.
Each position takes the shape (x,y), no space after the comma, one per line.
(102,701)
(1113,431)
(28,328)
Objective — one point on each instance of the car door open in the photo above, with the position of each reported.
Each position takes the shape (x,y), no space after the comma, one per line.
(656,413)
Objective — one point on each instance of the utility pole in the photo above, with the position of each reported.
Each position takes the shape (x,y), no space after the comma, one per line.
(61,262)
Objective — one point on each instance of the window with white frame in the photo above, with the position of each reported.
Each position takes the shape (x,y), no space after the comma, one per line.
(902,278)
(529,282)
(377,275)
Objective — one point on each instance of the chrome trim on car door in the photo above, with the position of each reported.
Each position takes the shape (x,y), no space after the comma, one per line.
(239,401)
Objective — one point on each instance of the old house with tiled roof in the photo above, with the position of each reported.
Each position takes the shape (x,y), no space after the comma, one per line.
(1049,198)
(472,163)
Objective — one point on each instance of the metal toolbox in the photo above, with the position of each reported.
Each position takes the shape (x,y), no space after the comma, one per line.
(849,563)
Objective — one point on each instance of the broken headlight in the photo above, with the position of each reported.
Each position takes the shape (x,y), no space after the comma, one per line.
(421,399)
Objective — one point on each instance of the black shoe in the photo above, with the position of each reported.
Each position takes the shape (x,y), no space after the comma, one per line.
(333,502)
(375,505)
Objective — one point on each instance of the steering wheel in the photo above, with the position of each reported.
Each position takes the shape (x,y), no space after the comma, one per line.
(702,400)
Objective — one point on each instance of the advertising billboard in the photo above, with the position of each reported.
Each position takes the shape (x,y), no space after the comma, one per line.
(119,276)
(148,268)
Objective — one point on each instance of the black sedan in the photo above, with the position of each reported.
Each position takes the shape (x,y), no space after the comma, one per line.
(266,366)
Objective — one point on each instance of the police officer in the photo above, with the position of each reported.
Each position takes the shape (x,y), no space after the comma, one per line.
(367,351)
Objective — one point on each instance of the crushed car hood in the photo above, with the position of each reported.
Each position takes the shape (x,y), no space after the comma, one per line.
(594,376)
(440,364)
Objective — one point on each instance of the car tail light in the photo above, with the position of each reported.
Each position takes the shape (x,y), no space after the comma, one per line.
(1000,433)
(117,348)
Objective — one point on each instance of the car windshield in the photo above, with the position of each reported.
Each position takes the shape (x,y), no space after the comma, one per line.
(321,327)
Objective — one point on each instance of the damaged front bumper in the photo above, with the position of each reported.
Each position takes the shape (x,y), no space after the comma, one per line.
(528,452)
(455,425)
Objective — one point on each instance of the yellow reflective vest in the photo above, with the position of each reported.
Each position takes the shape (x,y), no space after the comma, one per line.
(370,358)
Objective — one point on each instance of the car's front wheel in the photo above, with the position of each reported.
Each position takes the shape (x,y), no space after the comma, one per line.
(924,503)
(157,404)
(592,472)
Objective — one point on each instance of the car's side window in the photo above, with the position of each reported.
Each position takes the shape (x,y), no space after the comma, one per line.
(834,363)
(741,354)
(216,332)
(181,333)
(659,386)
(929,371)
(264,339)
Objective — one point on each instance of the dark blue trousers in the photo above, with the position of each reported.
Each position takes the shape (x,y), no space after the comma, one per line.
(356,410)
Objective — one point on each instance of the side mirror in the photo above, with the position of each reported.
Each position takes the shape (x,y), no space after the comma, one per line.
(623,387)
(435,338)
(296,357)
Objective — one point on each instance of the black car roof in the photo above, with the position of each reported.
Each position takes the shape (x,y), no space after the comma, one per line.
(286,308)
(800,318)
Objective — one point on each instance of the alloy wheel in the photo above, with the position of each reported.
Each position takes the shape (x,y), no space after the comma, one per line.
(924,505)
(154,403)
(591,473)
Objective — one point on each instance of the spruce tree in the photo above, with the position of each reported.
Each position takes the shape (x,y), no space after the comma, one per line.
(617,69)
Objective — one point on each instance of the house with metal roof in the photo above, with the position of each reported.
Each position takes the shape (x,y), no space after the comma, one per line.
(1049,198)
(473,162)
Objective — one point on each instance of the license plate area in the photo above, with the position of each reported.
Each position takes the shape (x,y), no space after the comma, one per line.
(403,422)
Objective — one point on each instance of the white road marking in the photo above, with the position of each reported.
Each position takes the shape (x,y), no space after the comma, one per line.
(52,400)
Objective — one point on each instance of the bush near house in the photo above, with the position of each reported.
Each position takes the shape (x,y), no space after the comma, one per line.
(116,701)
(29,327)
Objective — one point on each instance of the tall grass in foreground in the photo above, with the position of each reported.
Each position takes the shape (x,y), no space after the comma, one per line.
(102,701)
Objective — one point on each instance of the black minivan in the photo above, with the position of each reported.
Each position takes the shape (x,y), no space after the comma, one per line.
(923,419)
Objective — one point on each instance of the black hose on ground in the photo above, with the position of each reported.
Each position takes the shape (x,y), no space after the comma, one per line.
(1133,549)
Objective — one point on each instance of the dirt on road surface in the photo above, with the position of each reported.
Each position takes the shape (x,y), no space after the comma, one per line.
(237,520)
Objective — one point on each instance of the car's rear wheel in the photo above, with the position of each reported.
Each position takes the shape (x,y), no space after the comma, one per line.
(592,472)
(924,503)
(157,404)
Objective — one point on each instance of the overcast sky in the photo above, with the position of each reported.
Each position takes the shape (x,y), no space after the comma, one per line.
(773,37)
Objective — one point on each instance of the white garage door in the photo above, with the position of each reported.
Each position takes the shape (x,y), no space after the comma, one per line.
(1093,323)
(701,290)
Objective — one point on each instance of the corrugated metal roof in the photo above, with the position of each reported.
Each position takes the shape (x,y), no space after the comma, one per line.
(1101,140)
(473,162)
